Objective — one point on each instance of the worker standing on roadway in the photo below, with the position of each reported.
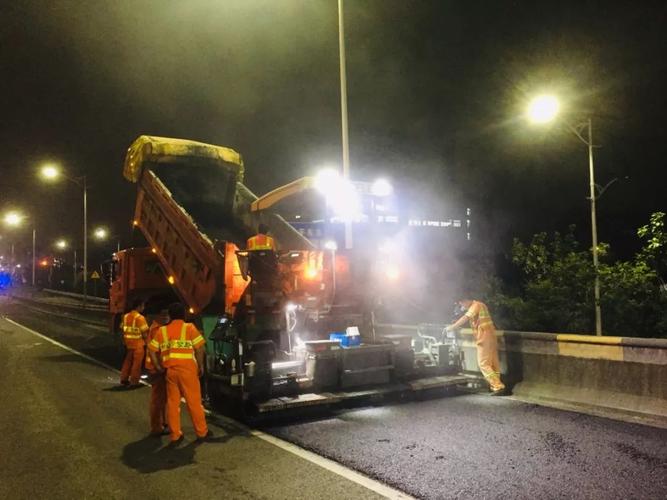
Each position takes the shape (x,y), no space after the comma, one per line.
(181,352)
(135,330)
(261,241)
(484,333)
(157,407)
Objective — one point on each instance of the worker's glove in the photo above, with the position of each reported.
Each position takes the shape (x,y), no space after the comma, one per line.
(449,331)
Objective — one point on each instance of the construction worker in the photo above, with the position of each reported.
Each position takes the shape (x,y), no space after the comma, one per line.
(261,241)
(157,407)
(179,348)
(484,333)
(135,330)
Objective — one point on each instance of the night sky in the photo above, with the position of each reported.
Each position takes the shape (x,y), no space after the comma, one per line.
(437,90)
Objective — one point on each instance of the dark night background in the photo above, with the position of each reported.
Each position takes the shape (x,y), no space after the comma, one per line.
(436,94)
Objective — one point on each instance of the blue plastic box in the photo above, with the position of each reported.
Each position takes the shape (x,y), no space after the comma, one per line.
(345,340)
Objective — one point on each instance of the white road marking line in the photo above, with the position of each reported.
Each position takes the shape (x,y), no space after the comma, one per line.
(62,346)
(325,463)
(67,348)
(335,467)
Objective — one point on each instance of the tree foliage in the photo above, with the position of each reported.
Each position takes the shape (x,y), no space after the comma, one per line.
(556,286)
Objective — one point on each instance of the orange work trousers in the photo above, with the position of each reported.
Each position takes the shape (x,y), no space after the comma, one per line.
(131,369)
(487,357)
(183,381)
(158,402)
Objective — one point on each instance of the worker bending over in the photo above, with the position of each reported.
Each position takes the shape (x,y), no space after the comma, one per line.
(135,330)
(484,333)
(178,348)
(261,241)
(157,406)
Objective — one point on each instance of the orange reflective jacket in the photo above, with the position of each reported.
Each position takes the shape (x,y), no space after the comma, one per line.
(261,242)
(134,327)
(480,318)
(152,333)
(176,343)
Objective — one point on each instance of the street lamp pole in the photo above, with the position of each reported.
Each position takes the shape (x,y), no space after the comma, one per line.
(34,259)
(594,231)
(343,112)
(588,140)
(544,109)
(85,242)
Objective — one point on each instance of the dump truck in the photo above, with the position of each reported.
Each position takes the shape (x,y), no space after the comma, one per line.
(283,329)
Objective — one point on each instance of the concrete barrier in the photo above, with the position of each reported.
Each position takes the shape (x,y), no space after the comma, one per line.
(78,296)
(621,377)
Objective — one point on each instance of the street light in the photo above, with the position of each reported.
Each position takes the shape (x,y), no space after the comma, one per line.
(544,109)
(51,173)
(62,245)
(15,219)
(102,234)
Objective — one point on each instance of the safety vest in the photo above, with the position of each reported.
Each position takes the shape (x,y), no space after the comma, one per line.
(261,242)
(480,317)
(152,333)
(134,325)
(177,345)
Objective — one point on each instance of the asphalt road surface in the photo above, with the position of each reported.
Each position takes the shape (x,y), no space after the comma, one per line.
(66,432)
(469,446)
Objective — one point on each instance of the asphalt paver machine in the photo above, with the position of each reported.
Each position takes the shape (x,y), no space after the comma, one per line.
(284,329)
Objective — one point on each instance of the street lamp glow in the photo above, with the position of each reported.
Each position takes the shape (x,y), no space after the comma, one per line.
(61,244)
(13,219)
(543,109)
(50,172)
(101,233)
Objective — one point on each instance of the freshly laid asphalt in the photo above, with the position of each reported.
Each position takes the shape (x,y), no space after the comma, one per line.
(477,446)
(468,446)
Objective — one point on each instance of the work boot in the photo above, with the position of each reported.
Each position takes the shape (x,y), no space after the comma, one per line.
(176,442)
(499,392)
(202,439)
(164,432)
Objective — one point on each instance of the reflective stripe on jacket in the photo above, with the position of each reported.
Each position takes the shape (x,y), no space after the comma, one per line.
(176,343)
(261,242)
(479,315)
(134,326)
